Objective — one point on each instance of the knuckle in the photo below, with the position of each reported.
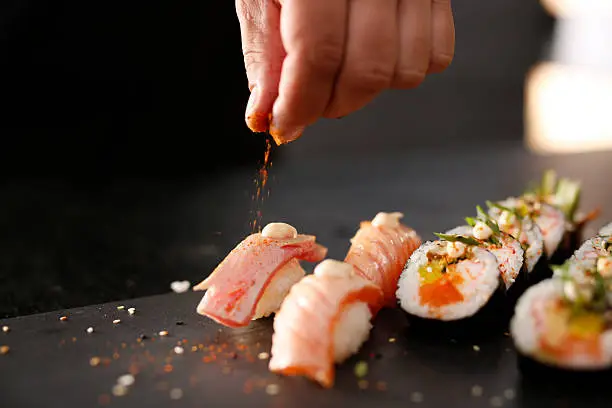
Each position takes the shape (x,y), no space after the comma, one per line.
(408,78)
(324,56)
(369,77)
(439,62)
(252,57)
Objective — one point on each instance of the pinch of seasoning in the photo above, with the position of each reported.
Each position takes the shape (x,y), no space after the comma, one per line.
(90,330)
(6,329)
(272,389)
(120,307)
(132,310)
(116,321)
(496,402)
(176,394)
(363,384)
(477,391)
(119,390)
(391,339)
(63,318)
(94,361)
(476,348)
(361,369)
(263,355)
(163,333)
(509,394)
(179,350)
(4,349)
(126,380)
(416,397)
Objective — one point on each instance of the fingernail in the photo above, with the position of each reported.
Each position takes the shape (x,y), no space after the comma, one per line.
(256,121)
(283,135)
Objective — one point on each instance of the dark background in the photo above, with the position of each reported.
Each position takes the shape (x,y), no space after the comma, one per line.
(125,162)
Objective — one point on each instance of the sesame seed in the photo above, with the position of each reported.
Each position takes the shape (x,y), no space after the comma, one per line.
(180,286)
(496,402)
(179,350)
(132,310)
(63,318)
(176,393)
(476,348)
(126,380)
(391,339)
(6,329)
(263,355)
(4,349)
(163,333)
(116,321)
(272,389)
(94,361)
(509,394)
(90,330)
(416,397)
(120,307)
(477,391)
(119,390)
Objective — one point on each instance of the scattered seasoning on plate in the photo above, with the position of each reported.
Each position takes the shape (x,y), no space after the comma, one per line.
(194,349)
(4,349)
(272,389)
(163,333)
(179,350)
(180,323)
(477,391)
(63,318)
(381,386)
(116,356)
(94,361)
(363,384)
(143,337)
(104,399)
(119,390)
(263,355)
(509,394)
(416,397)
(126,380)
(391,339)
(226,370)
(378,356)
(90,330)
(361,369)
(120,307)
(496,402)
(176,394)
(476,348)
(116,321)
(6,329)
(168,368)
(132,310)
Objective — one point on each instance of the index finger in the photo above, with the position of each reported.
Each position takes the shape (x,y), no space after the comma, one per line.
(313,34)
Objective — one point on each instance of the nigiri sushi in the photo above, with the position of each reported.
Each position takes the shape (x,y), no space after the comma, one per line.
(566,322)
(507,250)
(254,278)
(324,319)
(448,280)
(379,251)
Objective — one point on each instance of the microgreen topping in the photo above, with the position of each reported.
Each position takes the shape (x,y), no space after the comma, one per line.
(563,193)
(458,238)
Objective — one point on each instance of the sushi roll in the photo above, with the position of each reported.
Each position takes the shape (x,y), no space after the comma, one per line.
(379,250)
(529,236)
(323,321)
(566,322)
(254,278)
(449,281)
(507,250)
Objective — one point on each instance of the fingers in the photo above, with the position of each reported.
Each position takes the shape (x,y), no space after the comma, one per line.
(263,57)
(443,36)
(313,33)
(415,39)
(369,56)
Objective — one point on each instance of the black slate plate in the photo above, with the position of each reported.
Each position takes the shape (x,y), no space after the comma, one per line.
(49,364)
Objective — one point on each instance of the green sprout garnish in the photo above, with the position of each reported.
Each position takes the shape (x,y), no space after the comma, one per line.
(566,193)
(458,238)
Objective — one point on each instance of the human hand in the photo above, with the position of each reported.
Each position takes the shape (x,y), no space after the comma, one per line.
(307,59)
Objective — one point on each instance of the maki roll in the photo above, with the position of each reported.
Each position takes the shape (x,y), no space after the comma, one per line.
(508,251)
(254,278)
(323,321)
(450,281)
(606,230)
(566,322)
(379,250)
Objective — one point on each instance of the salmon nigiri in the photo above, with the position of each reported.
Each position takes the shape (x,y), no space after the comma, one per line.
(254,278)
(324,320)
(380,249)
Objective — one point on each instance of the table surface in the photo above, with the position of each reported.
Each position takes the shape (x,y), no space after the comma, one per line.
(434,187)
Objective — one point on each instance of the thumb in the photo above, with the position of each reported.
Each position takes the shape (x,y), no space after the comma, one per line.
(263,57)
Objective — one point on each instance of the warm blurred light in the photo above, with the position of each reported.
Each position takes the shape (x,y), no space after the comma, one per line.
(566,8)
(568,109)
